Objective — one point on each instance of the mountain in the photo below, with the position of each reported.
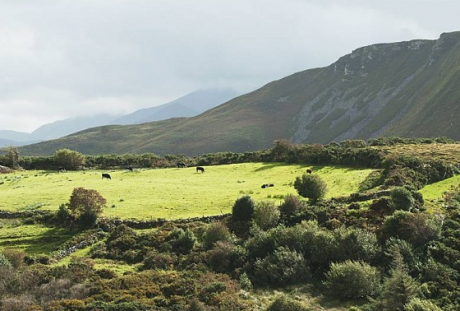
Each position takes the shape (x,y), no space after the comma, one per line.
(407,89)
(52,130)
(189,105)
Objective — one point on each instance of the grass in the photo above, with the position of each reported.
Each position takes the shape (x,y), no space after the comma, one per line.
(434,192)
(173,192)
(33,239)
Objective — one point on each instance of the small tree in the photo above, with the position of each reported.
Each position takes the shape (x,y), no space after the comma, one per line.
(69,159)
(311,187)
(216,231)
(12,155)
(402,199)
(243,209)
(290,206)
(85,205)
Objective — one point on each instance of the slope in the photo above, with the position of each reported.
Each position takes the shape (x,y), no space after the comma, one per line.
(403,89)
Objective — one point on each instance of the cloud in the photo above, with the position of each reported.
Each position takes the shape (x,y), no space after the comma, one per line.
(61,59)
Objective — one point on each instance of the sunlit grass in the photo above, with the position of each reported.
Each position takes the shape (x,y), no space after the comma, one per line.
(33,239)
(433,193)
(173,192)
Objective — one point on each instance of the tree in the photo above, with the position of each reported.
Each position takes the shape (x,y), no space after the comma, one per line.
(86,205)
(12,155)
(243,209)
(311,187)
(69,159)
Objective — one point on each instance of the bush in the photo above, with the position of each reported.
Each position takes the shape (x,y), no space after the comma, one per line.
(290,206)
(69,159)
(266,215)
(352,280)
(281,268)
(14,256)
(4,263)
(216,231)
(182,241)
(243,209)
(311,187)
(284,303)
(417,304)
(402,199)
(85,205)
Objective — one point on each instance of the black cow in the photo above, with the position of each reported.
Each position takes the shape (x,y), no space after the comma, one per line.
(130,168)
(61,169)
(309,171)
(200,169)
(267,185)
(181,164)
(105,175)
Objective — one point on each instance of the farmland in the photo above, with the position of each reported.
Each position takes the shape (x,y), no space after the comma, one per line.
(171,192)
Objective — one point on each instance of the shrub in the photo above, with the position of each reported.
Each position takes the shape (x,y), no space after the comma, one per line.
(69,159)
(4,262)
(182,241)
(243,209)
(266,215)
(157,260)
(290,206)
(311,187)
(86,205)
(216,231)
(417,304)
(402,199)
(284,303)
(352,280)
(281,268)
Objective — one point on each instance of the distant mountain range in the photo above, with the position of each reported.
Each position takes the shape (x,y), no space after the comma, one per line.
(408,89)
(189,105)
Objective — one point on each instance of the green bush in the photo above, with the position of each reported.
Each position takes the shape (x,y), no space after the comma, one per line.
(243,209)
(311,187)
(283,267)
(4,263)
(417,304)
(216,231)
(402,199)
(284,303)
(266,215)
(352,280)
(69,159)
(182,241)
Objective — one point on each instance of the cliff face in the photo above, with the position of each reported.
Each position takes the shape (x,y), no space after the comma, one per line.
(408,89)
(381,90)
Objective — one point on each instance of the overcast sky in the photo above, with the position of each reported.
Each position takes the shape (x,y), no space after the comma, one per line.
(67,58)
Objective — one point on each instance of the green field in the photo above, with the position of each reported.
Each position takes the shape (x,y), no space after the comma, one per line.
(171,192)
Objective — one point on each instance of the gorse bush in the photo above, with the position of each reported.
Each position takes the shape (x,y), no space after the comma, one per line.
(352,280)
(402,199)
(281,268)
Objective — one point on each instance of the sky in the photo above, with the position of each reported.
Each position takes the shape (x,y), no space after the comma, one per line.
(67,58)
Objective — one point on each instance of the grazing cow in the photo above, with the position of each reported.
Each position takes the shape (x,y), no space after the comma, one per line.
(200,169)
(105,175)
(61,169)
(130,168)
(267,185)
(309,171)
(181,164)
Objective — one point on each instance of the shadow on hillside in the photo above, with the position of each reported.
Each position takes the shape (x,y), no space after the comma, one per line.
(47,242)
(270,165)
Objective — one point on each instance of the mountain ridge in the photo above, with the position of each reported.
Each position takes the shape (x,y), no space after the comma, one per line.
(388,89)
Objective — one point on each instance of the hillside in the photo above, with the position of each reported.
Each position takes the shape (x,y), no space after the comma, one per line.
(406,89)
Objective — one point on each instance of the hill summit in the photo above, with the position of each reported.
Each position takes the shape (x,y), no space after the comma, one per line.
(407,89)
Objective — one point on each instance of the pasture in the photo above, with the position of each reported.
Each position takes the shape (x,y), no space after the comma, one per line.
(170,193)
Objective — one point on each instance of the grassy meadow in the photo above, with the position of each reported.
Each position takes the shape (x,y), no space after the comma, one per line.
(171,192)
